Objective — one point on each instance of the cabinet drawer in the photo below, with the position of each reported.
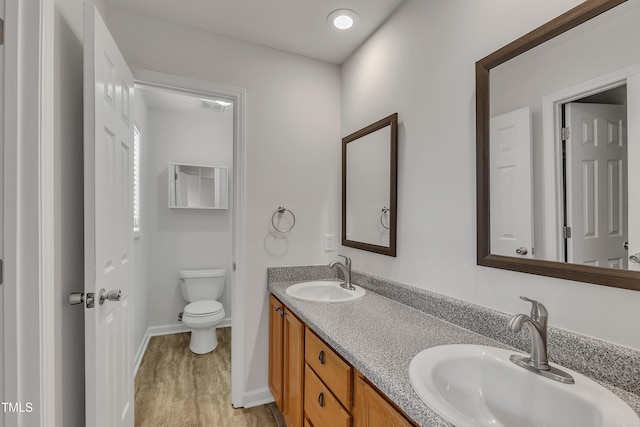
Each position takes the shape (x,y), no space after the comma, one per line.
(330,367)
(320,406)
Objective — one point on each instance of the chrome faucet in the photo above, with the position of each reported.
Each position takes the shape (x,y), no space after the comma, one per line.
(538,361)
(346,271)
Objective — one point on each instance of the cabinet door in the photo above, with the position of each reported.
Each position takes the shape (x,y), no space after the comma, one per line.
(373,410)
(276,345)
(293,369)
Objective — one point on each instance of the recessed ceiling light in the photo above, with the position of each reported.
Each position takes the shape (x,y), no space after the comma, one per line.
(343,19)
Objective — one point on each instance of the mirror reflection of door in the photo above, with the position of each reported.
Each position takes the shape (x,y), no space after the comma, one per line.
(511,184)
(596,227)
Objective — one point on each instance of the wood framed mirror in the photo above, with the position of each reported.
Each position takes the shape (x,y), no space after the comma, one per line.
(549,257)
(369,187)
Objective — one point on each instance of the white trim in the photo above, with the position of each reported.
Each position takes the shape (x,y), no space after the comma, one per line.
(238,96)
(140,353)
(47,280)
(154,331)
(12,378)
(258,397)
(29,303)
(552,172)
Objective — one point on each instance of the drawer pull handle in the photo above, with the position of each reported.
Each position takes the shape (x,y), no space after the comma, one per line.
(321,357)
(321,400)
(277,308)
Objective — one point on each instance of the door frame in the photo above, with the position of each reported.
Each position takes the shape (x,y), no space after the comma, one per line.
(30,282)
(552,138)
(238,96)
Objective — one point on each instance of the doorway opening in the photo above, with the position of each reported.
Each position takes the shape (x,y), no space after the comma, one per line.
(594,160)
(619,204)
(225,225)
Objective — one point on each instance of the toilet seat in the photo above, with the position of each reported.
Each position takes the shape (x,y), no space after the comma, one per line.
(203,308)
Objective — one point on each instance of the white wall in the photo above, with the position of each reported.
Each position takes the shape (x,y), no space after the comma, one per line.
(420,63)
(292,148)
(184,238)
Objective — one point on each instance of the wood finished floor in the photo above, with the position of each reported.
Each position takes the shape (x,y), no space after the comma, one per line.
(177,388)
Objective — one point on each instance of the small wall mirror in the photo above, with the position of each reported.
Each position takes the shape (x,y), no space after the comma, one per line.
(198,187)
(558,148)
(369,187)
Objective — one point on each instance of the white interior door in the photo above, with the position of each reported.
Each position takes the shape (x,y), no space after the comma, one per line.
(108,164)
(511,184)
(597,184)
(633,153)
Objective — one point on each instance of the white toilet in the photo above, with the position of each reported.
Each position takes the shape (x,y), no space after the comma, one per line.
(201,289)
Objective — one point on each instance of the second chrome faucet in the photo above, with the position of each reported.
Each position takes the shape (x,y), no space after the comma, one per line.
(538,361)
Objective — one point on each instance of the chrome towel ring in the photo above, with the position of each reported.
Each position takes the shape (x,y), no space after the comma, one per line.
(281,211)
(385,210)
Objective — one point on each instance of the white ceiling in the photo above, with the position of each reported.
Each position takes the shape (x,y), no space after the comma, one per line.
(297,26)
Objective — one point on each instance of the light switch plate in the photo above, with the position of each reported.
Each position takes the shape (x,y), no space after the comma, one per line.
(329,242)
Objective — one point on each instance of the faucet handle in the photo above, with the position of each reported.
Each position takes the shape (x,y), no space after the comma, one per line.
(347,260)
(537,308)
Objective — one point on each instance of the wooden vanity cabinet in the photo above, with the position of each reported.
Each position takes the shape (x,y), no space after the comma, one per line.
(314,387)
(286,362)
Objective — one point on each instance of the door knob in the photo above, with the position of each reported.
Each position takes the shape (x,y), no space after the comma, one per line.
(79,298)
(112,295)
(635,257)
(522,251)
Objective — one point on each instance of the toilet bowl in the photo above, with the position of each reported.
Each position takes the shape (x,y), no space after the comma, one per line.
(201,288)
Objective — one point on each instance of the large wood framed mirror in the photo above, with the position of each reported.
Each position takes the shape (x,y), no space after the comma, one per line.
(369,187)
(555,168)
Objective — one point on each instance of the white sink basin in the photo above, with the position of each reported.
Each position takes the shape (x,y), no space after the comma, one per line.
(323,291)
(471,385)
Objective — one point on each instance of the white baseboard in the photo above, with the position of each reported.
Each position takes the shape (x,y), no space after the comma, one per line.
(258,397)
(153,331)
(141,349)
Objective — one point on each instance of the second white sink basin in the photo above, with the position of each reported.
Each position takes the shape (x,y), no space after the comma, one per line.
(471,385)
(323,291)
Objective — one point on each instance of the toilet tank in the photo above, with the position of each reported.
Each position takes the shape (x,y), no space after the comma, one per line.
(199,285)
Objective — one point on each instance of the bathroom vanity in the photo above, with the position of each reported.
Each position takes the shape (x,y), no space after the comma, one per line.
(313,385)
(372,340)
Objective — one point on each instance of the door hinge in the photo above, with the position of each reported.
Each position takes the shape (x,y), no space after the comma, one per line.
(566,232)
(1,31)
(566,133)
(234,266)
(1,272)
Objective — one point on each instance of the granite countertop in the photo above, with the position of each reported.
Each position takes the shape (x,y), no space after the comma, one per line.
(380,333)
(379,337)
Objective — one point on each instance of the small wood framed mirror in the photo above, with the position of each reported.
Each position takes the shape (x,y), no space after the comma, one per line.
(369,187)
